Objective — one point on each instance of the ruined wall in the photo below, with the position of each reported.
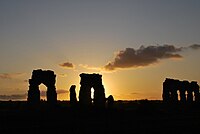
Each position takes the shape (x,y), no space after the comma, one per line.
(48,78)
(188,91)
(87,82)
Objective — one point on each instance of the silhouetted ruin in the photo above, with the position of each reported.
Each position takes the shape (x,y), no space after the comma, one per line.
(188,91)
(73,100)
(87,82)
(110,101)
(46,77)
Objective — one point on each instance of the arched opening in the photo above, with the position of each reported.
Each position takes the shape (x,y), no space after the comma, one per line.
(193,98)
(179,95)
(92,94)
(43,92)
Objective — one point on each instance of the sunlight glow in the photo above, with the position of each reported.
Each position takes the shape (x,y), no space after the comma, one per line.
(92,93)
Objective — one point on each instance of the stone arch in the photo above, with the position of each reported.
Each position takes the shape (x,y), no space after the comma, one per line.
(89,81)
(47,77)
(170,90)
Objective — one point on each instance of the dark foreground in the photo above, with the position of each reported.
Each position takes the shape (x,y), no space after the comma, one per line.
(125,117)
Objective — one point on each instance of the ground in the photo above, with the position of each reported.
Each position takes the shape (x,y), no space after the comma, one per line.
(124,117)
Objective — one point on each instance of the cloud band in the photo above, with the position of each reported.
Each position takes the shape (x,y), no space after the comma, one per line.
(144,56)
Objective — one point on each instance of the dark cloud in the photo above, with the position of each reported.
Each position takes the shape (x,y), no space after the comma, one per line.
(67,65)
(10,75)
(13,97)
(62,91)
(24,96)
(58,91)
(25,81)
(144,56)
(195,46)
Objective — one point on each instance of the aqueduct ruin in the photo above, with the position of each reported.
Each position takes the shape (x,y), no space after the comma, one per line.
(188,91)
(87,82)
(47,77)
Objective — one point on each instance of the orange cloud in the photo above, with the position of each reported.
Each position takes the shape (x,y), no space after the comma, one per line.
(90,67)
(62,75)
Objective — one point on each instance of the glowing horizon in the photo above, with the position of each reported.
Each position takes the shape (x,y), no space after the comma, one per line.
(134,45)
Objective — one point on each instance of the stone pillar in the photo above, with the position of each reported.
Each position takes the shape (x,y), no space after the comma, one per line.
(85,90)
(46,77)
(195,88)
(166,93)
(33,92)
(99,96)
(182,92)
(51,94)
(174,95)
(189,96)
(110,101)
(99,91)
(174,87)
(51,89)
(189,92)
(73,100)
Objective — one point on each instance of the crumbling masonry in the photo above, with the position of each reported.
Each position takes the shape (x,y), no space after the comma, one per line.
(188,91)
(46,77)
(87,82)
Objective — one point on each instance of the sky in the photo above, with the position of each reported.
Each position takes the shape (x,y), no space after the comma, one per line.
(133,44)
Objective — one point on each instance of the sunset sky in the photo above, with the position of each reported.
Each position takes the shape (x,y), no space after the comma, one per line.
(134,44)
